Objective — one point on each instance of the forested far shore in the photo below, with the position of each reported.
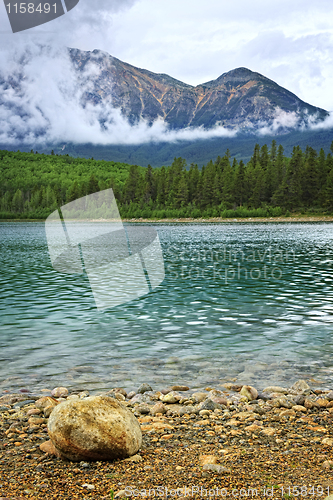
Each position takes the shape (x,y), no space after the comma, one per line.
(271,184)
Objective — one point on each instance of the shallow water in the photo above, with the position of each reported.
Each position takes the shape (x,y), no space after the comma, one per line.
(240,301)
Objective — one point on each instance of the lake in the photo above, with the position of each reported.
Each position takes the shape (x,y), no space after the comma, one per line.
(244,302)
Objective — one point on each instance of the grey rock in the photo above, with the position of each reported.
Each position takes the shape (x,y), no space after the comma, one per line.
(329,396)
(19,404)
(140,398)
(300,386)
(208,404)
(299,400)
(263,396)
(283,402)
(144,388)
(143,408)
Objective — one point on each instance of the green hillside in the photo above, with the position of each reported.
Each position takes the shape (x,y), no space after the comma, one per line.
(269,184)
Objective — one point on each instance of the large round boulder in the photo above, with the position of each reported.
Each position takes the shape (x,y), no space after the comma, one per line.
(94,428)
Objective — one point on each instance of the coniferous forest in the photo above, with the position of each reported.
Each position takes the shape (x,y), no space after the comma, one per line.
(271,184)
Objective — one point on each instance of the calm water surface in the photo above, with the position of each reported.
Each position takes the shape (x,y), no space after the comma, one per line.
(248,302)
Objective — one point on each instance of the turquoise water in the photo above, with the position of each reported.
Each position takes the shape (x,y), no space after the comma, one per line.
(248,302)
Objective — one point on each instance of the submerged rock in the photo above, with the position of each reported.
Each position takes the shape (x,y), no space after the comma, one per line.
(95,428)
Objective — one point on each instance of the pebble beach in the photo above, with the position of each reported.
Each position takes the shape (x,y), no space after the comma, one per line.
(227,441)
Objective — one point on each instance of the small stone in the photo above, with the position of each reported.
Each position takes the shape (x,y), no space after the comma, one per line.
(329,396)
(300,386)
(48,447)
(166,437)
(88,486)
(269,431)
(36,420)
(34,411)
(204,412)
(20,404)
(249,392)
(308,404)
(276,388)
(45,401)
(288,413)
(48,410)
(119,396)
(180,388)
(59,392)
(208,404)
(131,394)
(165,390)
(121,494)
(299,400)
(144,388)
(84,394)
(328,441)
(232,387)
(135,458)
(143,408)
(199,396)
(218,397)
(219,469)
(171,397)
(299,408)
(284,402)
(207,459)
(322,402)
(263,396)
(328,464)
(186,410)
(120,390)
(253,428)
(158,408)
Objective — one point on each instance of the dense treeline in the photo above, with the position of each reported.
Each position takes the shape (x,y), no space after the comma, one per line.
(33,185)
(270,184)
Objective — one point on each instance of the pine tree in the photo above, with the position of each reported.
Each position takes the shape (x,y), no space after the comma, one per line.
(132,187)
(92,186)
(239,188)
(18,202)
(310,177)
(150,185)
(73,192)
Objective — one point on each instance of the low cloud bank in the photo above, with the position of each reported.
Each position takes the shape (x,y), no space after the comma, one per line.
(41,103)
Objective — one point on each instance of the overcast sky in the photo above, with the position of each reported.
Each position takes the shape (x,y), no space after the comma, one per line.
(289,41)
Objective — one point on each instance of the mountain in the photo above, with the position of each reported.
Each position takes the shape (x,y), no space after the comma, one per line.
(239,98)
(92,104)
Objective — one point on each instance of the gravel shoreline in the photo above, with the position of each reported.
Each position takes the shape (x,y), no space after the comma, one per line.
(264,442)
(292,218)
(300,218)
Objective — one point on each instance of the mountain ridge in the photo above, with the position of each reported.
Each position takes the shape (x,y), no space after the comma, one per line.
(239,98)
